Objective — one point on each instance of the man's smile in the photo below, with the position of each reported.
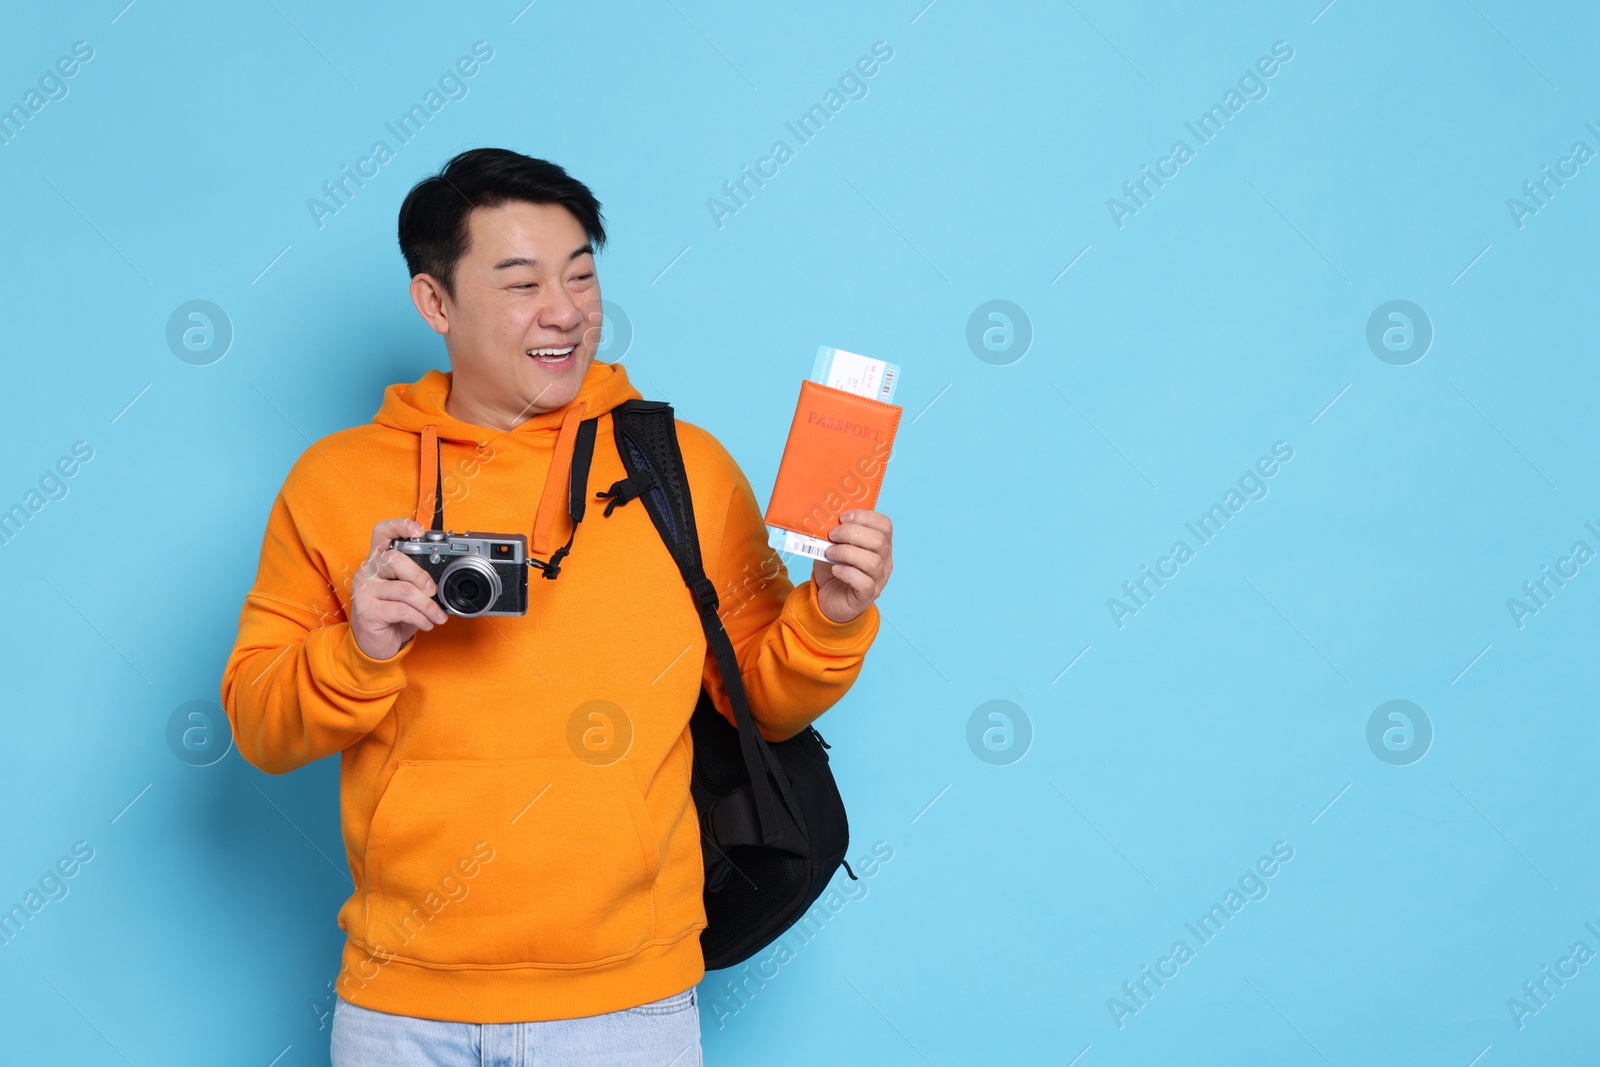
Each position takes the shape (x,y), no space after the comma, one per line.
(554,358)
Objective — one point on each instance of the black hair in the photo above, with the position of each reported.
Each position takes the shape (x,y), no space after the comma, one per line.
(433,218)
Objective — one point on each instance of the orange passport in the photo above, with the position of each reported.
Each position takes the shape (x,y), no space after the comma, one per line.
(838,446)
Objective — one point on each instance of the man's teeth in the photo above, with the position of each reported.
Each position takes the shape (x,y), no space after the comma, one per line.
(554,353)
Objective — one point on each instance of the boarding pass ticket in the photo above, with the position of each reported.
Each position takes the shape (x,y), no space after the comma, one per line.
(874,379)
(861,375)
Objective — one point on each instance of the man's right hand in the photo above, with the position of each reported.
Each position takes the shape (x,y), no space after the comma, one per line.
(391,597)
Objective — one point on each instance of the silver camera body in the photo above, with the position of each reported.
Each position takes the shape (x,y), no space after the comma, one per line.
(475,574)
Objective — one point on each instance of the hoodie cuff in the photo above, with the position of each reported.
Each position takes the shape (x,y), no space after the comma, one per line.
(804,613)
(348,670)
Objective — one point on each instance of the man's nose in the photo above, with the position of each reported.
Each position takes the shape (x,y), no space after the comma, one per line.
(561,313)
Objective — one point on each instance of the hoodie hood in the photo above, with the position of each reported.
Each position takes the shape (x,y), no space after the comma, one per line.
(418,407)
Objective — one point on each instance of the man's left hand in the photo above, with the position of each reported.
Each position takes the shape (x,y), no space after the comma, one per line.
(861,557)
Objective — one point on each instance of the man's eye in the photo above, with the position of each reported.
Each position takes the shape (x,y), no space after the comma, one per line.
(526,285)
(584,277)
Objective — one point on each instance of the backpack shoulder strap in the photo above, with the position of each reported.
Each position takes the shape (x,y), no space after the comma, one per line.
(647,441)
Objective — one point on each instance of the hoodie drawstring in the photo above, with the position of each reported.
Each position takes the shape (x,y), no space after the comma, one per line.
(555,482)
(429,474)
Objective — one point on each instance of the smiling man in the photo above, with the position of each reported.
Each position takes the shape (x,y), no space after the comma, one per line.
(517,900)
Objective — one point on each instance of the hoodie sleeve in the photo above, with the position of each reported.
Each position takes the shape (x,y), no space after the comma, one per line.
(795,661)
(297,687)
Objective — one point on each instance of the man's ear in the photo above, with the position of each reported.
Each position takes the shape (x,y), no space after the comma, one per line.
(432,302)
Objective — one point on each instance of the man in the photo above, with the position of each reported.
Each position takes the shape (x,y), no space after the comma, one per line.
(516,899)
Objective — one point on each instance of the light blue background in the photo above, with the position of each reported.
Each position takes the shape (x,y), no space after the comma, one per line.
(1225,316)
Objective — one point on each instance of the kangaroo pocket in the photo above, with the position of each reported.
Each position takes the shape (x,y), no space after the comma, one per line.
(485,862)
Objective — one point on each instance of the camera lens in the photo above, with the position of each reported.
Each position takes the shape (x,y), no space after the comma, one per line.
(469,586)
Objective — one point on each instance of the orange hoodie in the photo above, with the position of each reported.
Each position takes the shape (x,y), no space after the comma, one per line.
(499,877)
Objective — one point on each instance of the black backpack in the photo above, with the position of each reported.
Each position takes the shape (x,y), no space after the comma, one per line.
(772,824)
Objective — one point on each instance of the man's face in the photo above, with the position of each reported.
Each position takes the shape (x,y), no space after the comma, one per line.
(524,323)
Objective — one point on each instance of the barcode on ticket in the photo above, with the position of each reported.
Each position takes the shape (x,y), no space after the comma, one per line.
(801,545)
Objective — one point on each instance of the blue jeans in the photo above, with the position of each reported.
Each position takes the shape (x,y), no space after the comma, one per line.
(663,1033)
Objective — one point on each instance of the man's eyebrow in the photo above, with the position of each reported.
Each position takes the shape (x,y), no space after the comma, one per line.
(529,261)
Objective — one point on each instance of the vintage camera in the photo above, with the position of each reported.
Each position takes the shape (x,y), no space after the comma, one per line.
(476,574)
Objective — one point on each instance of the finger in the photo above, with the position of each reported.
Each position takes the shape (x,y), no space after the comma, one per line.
(857,533)
(408,594)
(397,612)
(875,519)
(857,580)
(861,559)
(390,529)
(401,567)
